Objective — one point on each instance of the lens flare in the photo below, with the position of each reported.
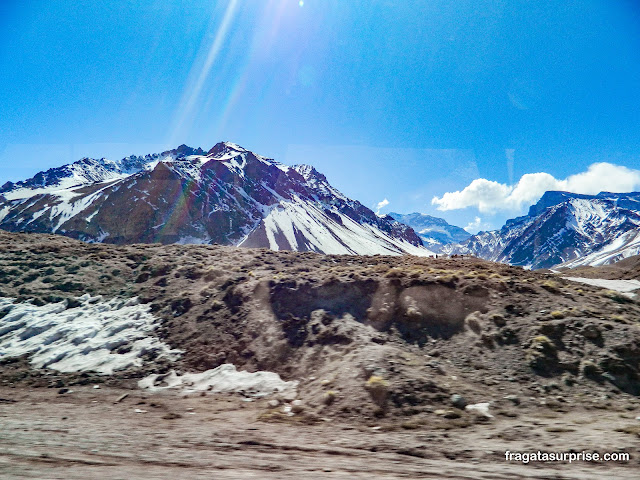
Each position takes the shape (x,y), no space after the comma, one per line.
(219,99)
(192,94)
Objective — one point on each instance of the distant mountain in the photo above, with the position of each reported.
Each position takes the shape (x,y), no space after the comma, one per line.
(564,228)
(435,232)
(227,195)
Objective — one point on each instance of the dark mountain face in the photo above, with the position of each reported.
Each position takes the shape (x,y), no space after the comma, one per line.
(229,196)
(564,228)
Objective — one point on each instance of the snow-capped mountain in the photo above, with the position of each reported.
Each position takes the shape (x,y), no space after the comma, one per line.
(433,231)
(227,195)
(564,228)
(87,171)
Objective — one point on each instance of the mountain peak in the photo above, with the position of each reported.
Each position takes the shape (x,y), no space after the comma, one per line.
(180,152)
(230,196)
(184,150)
(222,148)
(552,198)
(564,228)
(433,231)
(308,172)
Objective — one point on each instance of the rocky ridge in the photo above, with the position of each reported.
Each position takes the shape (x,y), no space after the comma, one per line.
(228,196)
(563,229)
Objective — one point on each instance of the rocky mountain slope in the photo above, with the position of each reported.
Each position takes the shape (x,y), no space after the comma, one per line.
(227,195)
(433,231)
(564,229)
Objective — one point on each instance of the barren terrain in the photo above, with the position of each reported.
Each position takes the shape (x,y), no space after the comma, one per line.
(627,269)
(387,350)
(84,434)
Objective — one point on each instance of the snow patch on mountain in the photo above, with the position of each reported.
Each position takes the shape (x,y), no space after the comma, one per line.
(566,230)
(318,182)
(227,195)
(433,231)
(300,225)
(624,246)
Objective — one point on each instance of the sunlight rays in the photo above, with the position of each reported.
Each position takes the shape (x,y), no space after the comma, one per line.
(220,99)
(192,93)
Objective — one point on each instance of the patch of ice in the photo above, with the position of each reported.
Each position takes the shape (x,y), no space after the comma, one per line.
(222,379)
(4,212)
(191,240)
(90,217)
(626,287)
(480,409)
(84,338)
(101,237)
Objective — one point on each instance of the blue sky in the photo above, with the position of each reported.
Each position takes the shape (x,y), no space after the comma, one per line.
(404,101)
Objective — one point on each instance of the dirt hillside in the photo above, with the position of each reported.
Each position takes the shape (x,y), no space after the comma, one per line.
(395,343)
(335,322)
(627,269)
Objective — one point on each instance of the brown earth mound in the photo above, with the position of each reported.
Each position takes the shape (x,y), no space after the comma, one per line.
(367,337)
(627,269)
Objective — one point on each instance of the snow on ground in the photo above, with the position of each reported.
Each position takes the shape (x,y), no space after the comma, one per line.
(191,240)
(101,336)
(223,379)
(627,287)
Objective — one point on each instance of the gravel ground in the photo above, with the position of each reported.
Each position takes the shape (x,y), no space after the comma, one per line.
(84,434)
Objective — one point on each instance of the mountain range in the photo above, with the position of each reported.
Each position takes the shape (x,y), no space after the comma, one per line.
(434,232)
(228,195)
(563,230)
(232,196)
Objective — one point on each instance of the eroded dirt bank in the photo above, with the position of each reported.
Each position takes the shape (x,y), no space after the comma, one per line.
(399,344)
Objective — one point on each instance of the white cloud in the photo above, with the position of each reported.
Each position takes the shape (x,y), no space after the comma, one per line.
(381,205)
(477,225)
(489,196)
